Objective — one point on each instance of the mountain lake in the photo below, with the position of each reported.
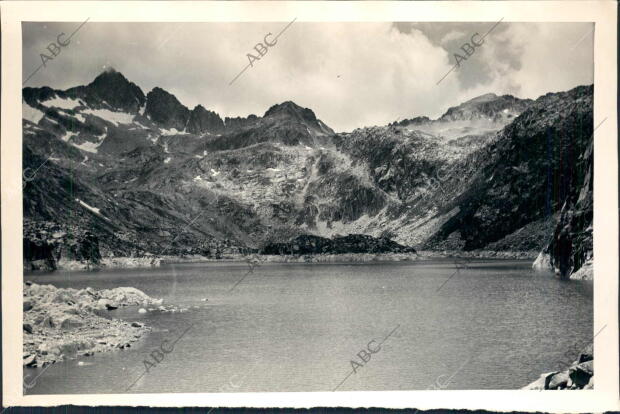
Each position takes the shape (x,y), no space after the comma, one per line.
(494,324)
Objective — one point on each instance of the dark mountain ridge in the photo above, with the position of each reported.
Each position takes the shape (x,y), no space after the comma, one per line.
(494,172)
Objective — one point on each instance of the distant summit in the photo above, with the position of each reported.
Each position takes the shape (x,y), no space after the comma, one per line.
(289,110)
(111,89)
(165,109)
(201,120)
(488,106)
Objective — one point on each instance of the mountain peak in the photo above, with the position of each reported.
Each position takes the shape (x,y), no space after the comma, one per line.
(202,120)
(487,106)
(164,108)
(111,88)
(290,108)
(487,97)
(110,75)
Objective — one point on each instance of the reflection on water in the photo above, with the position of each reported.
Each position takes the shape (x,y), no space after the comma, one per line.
(298,327)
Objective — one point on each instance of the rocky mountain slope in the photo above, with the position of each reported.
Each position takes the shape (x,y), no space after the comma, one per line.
(143,174)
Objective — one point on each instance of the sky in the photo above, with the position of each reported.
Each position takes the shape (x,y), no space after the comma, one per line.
(350,74)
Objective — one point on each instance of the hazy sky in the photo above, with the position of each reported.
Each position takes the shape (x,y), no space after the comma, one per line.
(350,74)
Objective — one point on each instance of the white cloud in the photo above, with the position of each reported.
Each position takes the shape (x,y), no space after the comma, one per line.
(452,36)
(349,74)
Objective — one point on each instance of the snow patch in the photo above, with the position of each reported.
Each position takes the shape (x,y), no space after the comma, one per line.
(114,117)
(171,131)
(197,178)
(92,146)
(138,125)
(91,208)
(68,136)
(31,114)
(88,146)
(214,173)
(67,103)
(167,160)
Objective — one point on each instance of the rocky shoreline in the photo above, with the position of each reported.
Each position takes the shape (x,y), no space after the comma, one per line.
(69,323)
(544,263)
(153,261)
(579,376)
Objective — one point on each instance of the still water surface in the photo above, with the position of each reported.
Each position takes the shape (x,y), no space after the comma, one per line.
(296,327)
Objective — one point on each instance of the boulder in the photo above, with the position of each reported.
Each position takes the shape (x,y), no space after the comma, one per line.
(39,290)
(542,383)
(542,262)
(63,296)
(585,272)
(27,328)
(585,357)
(70,323)
(27,305)
(49,348)
(580,374)
(47,322)
(126,296)
(30,360)
(106,304)
(559,380)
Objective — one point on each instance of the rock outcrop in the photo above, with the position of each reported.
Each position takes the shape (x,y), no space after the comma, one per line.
(488,106)
(202,120)
(165,109)
(240,122)
(536,166)
(68,323)
(580,375)
(571,250)
(46,245)
(110,90)
(353,243)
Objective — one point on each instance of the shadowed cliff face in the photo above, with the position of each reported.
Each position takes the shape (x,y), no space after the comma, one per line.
(146,174)
(571,245)
(165,109)
(536,165)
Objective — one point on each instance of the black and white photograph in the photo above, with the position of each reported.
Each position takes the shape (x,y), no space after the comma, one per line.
(308,206)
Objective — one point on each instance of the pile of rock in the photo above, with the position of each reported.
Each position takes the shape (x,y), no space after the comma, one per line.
(68,323)
(353,243)
(580,375)
(47,246)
